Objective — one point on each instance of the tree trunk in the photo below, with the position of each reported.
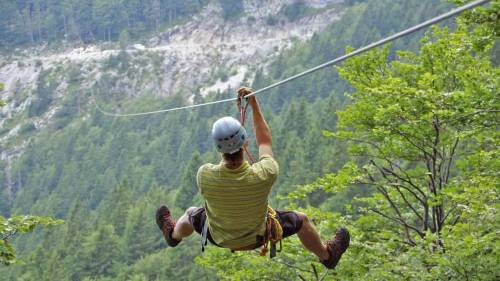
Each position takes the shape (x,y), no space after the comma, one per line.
(65,27)
(19,180)
(157,14)
(8,174)
(29,13)
(39,23)
(78,102)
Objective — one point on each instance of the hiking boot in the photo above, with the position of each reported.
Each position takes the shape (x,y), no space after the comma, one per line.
(336,247)
(166,223)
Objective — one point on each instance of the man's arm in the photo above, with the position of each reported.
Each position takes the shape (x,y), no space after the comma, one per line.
(262,131)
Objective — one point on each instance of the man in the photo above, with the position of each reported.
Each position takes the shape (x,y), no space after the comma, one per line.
(236,195)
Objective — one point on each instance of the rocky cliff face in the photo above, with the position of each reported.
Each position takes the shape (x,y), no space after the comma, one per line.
(205,54)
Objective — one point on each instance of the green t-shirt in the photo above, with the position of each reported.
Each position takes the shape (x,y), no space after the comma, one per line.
(236,200)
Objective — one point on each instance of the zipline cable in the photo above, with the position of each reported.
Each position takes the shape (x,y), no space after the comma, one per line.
(326,64)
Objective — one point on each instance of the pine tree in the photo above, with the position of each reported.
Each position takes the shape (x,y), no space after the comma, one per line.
(188,189)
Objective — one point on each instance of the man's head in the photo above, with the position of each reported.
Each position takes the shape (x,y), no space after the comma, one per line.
(234,159)
(229,135)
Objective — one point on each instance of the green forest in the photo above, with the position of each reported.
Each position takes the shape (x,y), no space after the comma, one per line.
(399,145)
(35,22)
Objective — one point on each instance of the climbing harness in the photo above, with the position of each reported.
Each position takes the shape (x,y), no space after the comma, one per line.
(321,66)
(273,234)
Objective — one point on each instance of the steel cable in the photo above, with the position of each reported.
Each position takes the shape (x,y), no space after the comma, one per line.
(324,65)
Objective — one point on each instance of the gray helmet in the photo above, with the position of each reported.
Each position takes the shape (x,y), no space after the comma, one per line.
(228,134)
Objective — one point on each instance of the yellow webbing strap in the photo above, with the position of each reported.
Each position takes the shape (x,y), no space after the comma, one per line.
(274,232)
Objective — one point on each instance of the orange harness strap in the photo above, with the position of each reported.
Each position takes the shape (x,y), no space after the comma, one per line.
(243,111)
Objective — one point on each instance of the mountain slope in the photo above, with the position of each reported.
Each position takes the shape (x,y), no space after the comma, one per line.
(204,54)
(105,176)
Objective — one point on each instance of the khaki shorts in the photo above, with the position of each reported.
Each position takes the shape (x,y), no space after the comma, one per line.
(290,222)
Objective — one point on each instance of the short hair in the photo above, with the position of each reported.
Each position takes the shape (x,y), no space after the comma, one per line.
(233,157)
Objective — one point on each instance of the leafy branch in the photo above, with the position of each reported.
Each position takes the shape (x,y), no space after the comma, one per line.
(9,227)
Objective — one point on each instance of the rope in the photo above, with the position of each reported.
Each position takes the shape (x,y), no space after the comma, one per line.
(243,112)
(163,110)
(274,232)
(324,65)
(377,44)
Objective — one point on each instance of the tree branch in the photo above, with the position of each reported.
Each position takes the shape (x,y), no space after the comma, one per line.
(291,265)
(466,116)
(407,203)
(448,214)
(452,154)
(384,170)
(315,271)
(407,180)
(397,176)
(402,222)
(324,275)
(301,278)
(408,139)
